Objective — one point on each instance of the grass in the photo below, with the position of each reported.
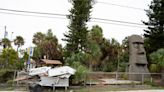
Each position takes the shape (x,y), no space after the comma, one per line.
(9,88)
(93,88)
(105,88)
(102,88)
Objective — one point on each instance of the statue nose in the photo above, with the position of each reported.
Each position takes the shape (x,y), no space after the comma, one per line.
(141,51)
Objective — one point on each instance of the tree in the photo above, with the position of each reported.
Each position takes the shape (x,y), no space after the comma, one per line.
(51,47)
(9,59)
(157,59)
(6,43)
(95,38)
(110,49)
(124,55)
(81,70)
(97,34)
(47,45)
(76,38)
(19,41)
(38,38)
(154,34)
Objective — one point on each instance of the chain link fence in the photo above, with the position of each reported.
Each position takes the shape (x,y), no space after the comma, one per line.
(94,78)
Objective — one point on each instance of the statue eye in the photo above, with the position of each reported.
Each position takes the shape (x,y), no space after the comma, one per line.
(135,45)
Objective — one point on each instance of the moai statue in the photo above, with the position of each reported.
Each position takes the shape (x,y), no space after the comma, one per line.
(137,59)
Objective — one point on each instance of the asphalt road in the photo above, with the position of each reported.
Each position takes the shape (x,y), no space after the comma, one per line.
(140,91)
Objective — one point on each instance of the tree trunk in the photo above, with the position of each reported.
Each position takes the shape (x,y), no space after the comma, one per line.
(17,49)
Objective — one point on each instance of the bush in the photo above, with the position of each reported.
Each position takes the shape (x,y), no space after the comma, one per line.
(76,61)
(149,82)
(6,75)
(10,82)
(81,73)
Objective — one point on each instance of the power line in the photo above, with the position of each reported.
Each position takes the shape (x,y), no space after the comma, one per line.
(121,6)
(43,13)
(33,15)
(62,16)
(125,22)
(117,24)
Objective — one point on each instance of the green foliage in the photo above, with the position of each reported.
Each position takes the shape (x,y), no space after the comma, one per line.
(124,60)
(96,34)
(155,32)
(157,60)
(25,57)
(154,68)
(38,38)
(37,53)
(81,72)
(110,49)
(78,57)
(19,41)
(10,82)
(75,61)
(149,82)
(94,54)
(76,37)
(6,43)
(9,59)
(125,76)
(47,45)
(6,75)
(109,67)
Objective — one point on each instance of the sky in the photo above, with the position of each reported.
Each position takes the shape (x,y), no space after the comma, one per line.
(26,26)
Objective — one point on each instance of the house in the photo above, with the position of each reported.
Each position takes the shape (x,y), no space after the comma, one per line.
(52,63)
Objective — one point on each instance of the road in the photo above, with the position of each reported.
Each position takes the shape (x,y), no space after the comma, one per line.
(140,91)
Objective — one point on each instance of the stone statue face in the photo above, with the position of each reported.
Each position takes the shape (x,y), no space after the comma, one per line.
(136,49)
(137,58)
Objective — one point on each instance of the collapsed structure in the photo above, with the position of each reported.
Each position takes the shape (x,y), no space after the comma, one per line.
(45,76)
(53,77)
(137,59)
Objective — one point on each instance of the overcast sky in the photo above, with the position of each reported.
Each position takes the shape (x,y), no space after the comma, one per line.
(26,26)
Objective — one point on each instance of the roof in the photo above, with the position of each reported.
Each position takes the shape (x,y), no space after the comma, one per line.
(22,78)
(64,70)
(51,62)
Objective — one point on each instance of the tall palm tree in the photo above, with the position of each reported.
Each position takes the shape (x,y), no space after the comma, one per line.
(38,38)
(19,41)
(6,43)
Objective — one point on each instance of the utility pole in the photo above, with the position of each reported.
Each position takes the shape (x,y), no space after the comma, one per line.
(5,33)
(118,61)
(11,36)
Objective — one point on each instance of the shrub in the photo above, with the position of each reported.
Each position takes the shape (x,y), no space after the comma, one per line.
(81,73)
(6,75)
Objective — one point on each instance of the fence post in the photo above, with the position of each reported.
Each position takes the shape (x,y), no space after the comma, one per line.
(151,79)
(116,75)
(142,78)
(89,81)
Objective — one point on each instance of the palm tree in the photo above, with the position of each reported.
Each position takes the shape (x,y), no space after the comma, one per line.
(6,43)
(38,38)
(19,41)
